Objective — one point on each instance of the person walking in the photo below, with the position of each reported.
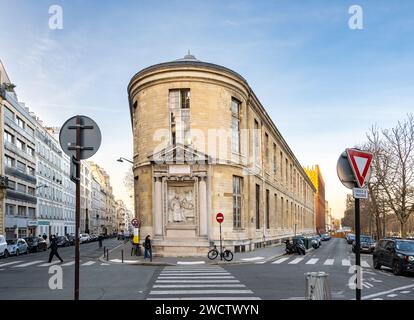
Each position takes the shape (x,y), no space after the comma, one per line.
(54,249)
(44,236)
(148,248)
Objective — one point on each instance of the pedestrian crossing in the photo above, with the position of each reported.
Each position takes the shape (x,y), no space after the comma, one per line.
(43,264)
(319,261)
(198,283)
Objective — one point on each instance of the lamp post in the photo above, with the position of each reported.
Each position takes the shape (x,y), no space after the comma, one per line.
(122,159)
(42,186)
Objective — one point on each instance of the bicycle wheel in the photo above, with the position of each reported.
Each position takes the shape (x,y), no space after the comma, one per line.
(228,255)
(212,254)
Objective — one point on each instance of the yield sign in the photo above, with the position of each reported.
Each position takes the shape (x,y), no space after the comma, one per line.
(360,162)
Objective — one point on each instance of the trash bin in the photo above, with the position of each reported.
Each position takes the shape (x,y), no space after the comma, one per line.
(317,286)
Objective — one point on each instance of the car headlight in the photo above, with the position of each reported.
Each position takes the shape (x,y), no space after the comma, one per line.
(410,258)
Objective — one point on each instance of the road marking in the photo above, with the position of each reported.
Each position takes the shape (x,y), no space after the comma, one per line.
(365,264)
(392,295)
(28,264)
(279,261)
(387,292)
(105,264)
(49,264)
(68,264)
(253,259)
(207,298)
(195,274)
(9,263)
(195,277)
(346,262)
(191,262)
(312,261)
(89,263)
(378,299)
(246,291)
(297,260)
(329,262)
(404,292)
(367,285)
(198,281)
(195,271)
(260,262)
(203,285)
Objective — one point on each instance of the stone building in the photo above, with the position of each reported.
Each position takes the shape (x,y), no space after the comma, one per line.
(315,176)
(203,144)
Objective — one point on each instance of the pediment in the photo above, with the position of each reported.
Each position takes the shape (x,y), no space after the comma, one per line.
(179,154)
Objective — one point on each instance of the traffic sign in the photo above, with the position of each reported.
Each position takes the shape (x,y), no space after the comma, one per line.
(344,171)
(135,222)
(360,162)
(220,217)
(90,137)
(360,193)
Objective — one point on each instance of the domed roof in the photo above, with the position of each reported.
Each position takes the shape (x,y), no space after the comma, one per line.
(188,57)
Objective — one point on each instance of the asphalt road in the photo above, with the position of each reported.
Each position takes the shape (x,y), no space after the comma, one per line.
(28,277)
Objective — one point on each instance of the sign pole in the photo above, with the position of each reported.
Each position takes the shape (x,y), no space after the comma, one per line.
(358,249)
(221,246)
(77,159)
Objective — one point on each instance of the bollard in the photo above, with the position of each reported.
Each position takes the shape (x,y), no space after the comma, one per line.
(122,255)
(107,254)
(104,251)
(317,287)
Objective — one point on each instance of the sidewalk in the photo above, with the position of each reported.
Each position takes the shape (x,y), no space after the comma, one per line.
(257,256)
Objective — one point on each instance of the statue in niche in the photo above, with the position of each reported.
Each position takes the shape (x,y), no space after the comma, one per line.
(177,210)
(181,205)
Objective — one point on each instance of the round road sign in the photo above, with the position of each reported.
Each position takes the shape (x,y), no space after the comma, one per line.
(344,171)
(135,222)
(220,217)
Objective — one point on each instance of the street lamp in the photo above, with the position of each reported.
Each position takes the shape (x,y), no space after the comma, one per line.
(42,186)
(121,159)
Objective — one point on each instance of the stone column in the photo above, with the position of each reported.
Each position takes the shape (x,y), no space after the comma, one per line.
(202,187)
(158,207)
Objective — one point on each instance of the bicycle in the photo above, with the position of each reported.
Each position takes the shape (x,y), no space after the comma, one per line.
(214,253)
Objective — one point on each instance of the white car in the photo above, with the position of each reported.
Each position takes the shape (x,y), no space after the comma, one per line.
(84,237)
(16,247)
(3,247)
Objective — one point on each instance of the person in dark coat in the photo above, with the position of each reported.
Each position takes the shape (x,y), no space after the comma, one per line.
(54,249)
(148,248)
(44,236)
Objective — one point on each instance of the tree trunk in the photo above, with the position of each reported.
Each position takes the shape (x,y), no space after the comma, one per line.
(403,230)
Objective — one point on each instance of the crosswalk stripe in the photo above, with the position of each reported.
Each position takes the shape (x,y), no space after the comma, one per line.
(196,274)
(365,264)
(28,264)
(207,298)
(158,292)
(312,261)
(297,260)
(203,285)
(201,277)
(9,263)
(49,264)
(280,260)
(89,263)
(190,262)
(68,264)
(198,281)
(329,262)
(346,262)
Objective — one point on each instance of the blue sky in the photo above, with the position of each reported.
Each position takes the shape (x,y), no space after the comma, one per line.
(322,83)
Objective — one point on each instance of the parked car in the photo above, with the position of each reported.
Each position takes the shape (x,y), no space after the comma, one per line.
(62,241)
(16,247)
(71,238)
(325,237)
(350,238)
(93,238)
(3,247)
(394,253)
(36,244)
(367,244)
(84,237)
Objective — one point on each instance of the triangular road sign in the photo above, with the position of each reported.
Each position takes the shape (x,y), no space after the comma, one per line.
(360,162)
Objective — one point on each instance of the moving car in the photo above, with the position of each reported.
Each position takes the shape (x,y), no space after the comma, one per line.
(3,247)
(36,244)
(367,244)
(325,237)
(350,238)
(16,247)
(394,253)
(62,241)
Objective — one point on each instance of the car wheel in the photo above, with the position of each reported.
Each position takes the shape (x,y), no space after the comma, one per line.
(17,252)
(6,254)
(396,268)
(377,265)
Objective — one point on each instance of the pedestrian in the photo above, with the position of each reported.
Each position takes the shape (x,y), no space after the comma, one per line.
(148,248)
(54,249)
(44,236)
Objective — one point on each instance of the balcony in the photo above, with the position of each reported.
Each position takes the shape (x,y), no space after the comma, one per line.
(12,148)
(21,131)
(19,174)
(18,196)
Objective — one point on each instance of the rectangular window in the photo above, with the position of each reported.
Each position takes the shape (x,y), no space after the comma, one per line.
(31,171)
(257,206)
(8,137)
(21,166)
(32,212)
(21,211)
(235,125)
(30,151)
(179,105)
(274,160)
(286,171)
(282,213)
(266,147)
(267,210)
(21,188)
(20,122)
(12,185)
(237,201)
(8,113)
(256,141)
(9,161)
(10,209)
(30,131)
(20,145)
(277,222)
(281,165)
(287,220)
(31,191)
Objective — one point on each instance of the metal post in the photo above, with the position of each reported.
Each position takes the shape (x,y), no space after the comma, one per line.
(357,250)
(122,255)
(221,246)
(78,143)
(107,254)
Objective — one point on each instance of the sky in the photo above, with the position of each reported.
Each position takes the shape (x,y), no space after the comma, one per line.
(323,83)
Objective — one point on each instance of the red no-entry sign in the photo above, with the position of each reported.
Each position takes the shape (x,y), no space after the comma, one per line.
(220,217)
(135,222)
